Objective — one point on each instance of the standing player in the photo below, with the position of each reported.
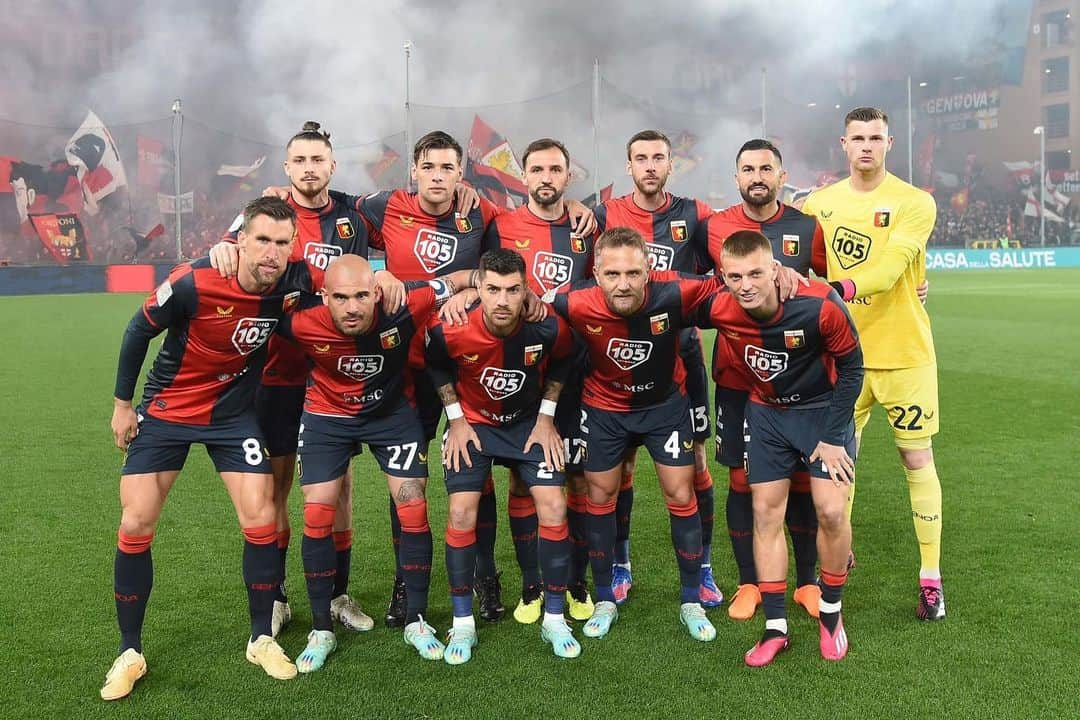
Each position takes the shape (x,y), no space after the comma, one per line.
(804,365)
(798,243)
(876,227)
(361,391)
(634,393)
(494,375)
(554,257)
(201,390)
(326,229)
(674,232)
(424,234)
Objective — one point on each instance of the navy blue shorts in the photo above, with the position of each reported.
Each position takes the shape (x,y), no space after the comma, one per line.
(502,446)
(731,426)
(328,443)
(234,445)
(568,418)
(664,429)
(278,409)
(781,441)
(697,381)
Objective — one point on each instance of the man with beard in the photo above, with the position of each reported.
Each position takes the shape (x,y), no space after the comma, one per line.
(798,243)
(554,257)
(673,228)
(499,378)
(201,390)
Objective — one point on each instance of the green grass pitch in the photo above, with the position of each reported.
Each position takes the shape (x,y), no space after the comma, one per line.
(1007,456)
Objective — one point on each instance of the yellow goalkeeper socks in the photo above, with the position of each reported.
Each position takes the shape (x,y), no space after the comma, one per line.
(925,491)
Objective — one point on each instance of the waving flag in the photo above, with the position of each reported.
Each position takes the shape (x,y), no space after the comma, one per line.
(92,152)
(492,167)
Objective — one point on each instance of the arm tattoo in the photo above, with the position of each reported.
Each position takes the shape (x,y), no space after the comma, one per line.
(552,390)
(447,396)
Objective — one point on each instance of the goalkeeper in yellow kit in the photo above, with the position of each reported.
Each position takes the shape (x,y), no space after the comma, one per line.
(876,227)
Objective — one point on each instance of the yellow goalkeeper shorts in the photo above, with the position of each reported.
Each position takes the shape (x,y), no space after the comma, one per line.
(910,398)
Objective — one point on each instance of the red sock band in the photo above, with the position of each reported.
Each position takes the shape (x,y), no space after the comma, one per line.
(555,533)
(800,481)
(460,538)
(627,481)
(520,506)
(262,535)
(342,540)
(413,516)
(578,502)
(599,508)
(779,586)
(737,480)
(133,544)
(283,537)
(702,480)
(318,519)
(686,510)
(833,579)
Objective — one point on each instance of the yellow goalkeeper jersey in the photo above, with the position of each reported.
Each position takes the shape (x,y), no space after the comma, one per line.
(877,240)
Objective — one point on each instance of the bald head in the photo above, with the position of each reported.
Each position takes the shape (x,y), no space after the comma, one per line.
(348,270)
(350,292)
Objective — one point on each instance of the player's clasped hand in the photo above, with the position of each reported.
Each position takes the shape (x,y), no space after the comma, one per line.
(455,449)
(835,460)
(547,437)
(125,424)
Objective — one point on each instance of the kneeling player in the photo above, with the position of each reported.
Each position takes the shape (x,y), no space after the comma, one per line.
(362,392)
(499,378)
(804,366)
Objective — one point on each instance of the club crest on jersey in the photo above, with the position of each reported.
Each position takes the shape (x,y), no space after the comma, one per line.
(321,349)
(881,217)
(851,247)
(389,338)
(319,255)
(660,257)
(678,230)
(765,364)
(552,271)
(628,354)
(434,250)
(360,367)
(791,245)
(225,311)
(658,324)
(462,222)
(251,333)
(405,220)
(794,339)
(344,228)
(577,243)
(290,301)
(500,383)
(533,353)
